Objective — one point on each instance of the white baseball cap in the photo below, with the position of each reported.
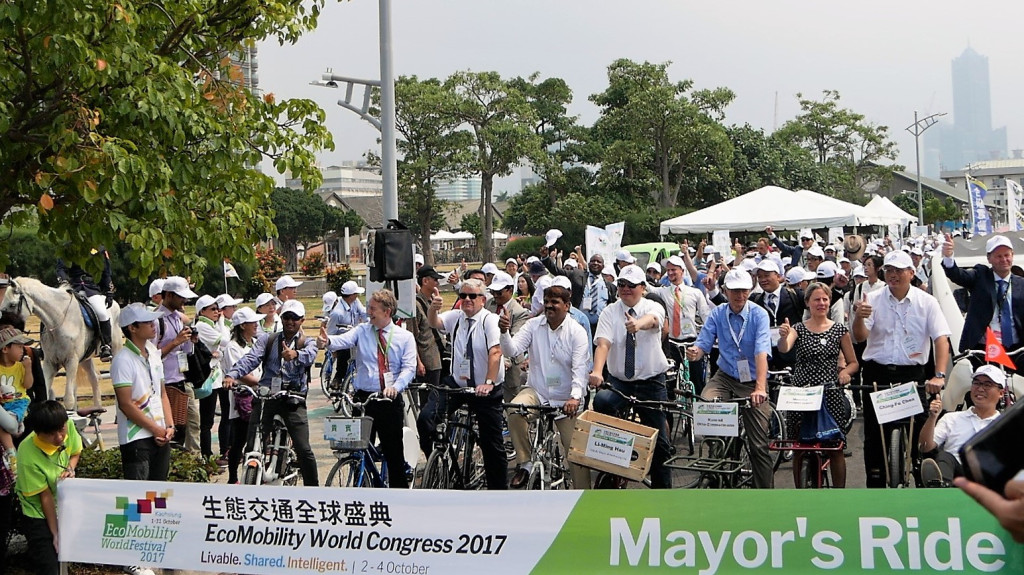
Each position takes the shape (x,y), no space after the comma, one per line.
(608,271)
(654,266)
(624,256)
(532,259)
(860,273)
(178,285)
(747,265)
(285,282)
(511,261)
(676,261)
(489,268)
(225,300)
(329,299)
(633,274)
(263,299)
(992,372)
(795,275)
(562,282)
(816,251)
(156,287)
(500,281)
(769,265)
(351,287)
(806,233)
(826,270)
(246,315)
(136,312)
(916,251)
(417,259)
(830,247)
(995,242)
(738,279)
(294,306)
(571,263)
(204,302)
(709,250)
(898,259)
(787,260)
(551,237)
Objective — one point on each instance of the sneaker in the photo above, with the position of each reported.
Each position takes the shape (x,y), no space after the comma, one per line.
(105,355)
(931,475)
(137,570)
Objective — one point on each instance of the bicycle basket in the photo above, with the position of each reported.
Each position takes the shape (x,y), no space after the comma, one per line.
(348,433)
(178,401)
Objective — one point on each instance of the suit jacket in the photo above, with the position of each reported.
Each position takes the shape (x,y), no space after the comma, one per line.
(980,281)
(791,306)
(793,252)
(577,279)
(517,315)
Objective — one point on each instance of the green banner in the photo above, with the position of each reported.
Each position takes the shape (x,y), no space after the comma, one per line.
(725,532)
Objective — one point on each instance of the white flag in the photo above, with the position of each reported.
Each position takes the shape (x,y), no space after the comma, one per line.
(229,270)
(1014,196)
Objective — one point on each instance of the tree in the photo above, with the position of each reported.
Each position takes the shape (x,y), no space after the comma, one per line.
(761,160)
(302,218)
(661,138)
(128,123)
(502,123)
(850,150)
(935,210)
(558,131)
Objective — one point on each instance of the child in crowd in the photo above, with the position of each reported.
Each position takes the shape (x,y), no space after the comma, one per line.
(15,380)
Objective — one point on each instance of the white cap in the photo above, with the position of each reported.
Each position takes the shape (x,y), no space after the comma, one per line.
(532,259)
(294,306)
(995,242)
(330,298)
(992,372)
(551,237)
(905,247)
(748,265)
(246,315)
(898,259)
(204,302)
(136,312)
(225,300)
(676,261)
(916,251)
(830,247)
(816,251)
(156,287)
(769,265)
(633,274)
(806,233)
(417,259)
(608,271)
(511,261)
(860,273)
(500,281)
(263,299)
(826,270)
(844,259)
(571,263)
(285,282)
(489,268)
(738,279)
(787,260)
(562,282)
(624,256)
(351,287)
(709,250)
(542,283)
(795,275)
(179,285)
(654,266)
(728,259)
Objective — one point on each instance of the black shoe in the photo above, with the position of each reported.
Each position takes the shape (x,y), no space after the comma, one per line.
(519,479)
(931,475)
(105,354)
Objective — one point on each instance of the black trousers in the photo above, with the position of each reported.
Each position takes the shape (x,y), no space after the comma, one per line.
(40,546)
(239,434)
(489,420)
(297,423)
(144,460)
(224,429)
(874,446)
(388,419)
(207,413)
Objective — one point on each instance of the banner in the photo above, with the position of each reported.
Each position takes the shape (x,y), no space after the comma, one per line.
(976,191)
(298,530)
(1014,197)
(835,236)
(604,241)
(722,242)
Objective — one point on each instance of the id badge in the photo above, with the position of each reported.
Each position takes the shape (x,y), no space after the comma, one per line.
(182,361)
(389,379)
(585,306)
(743,367)
(462,372)
(275,384)
(553,382)
(775,337)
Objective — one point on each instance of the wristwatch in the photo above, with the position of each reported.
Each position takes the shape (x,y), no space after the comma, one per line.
(488,382)
(941,374)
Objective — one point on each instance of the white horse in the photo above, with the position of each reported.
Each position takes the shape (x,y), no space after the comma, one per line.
(65,338)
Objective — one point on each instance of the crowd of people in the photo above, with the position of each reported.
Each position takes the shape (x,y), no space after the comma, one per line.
(553,328)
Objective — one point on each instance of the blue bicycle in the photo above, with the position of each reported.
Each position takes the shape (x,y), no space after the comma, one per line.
(360,463)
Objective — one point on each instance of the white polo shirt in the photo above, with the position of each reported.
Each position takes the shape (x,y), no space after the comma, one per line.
(146,380)
(485,335)
(900,332)
(956,427)
(559,358)
(650,359)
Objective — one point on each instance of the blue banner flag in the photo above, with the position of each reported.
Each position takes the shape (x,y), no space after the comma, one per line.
(979,214)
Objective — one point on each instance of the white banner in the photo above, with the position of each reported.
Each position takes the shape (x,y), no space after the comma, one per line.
(894,232)
(720,240)
(277,530)
(716,419)
(1014,197)
(800,398)
(604,241)
(899,402)
(835,236)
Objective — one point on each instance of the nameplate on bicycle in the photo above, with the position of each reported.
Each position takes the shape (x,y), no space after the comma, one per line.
(800,398)
(343,428)
(610,445)
(899,402)
(716,419)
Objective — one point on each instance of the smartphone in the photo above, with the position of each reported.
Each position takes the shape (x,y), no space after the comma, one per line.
(994,456)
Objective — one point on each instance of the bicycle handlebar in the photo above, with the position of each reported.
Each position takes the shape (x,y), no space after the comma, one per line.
(981,353)
(538,408)
(264,393)
(375,396)
(443,388)
(661,405)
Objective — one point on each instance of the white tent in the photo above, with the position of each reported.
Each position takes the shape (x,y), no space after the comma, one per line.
(499,236)
(883,205)
(754,211)
(442,236)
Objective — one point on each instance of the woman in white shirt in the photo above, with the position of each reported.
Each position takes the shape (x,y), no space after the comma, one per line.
(243,334)
(207,326)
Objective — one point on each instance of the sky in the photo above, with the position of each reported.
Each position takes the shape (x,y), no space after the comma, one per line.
(886,59)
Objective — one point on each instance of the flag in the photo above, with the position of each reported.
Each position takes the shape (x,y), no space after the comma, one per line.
(979,214)
(229,270)
(1014,196)
(994,351)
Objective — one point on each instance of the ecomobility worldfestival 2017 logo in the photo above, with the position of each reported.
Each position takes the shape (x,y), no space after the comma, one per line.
(141,525)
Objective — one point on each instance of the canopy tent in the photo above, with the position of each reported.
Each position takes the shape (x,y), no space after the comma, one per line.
(442,236)
(499,236)
(884,206)
(756,210)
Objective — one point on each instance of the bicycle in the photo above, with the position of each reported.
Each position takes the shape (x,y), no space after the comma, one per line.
(455,462)
(899,461)
(269,459)
(89,417)
(549,469)
(335,390)
(721,462)
(359,462)
(682,388)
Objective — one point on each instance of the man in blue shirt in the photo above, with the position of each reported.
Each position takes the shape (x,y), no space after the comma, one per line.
(286,357)
(385,357)
(744,345)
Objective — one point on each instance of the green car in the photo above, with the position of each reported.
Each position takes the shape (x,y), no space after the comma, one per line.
(655,251)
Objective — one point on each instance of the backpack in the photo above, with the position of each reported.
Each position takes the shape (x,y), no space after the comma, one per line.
(199,367)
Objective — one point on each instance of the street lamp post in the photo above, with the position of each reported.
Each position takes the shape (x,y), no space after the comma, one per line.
(918,128)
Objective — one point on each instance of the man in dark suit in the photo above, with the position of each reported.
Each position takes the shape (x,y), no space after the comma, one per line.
(577,276)
(996,295)
(782,303)
(795,253)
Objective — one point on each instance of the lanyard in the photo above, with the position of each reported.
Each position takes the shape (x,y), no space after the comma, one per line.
(384,350)
(728,320)
(149,367)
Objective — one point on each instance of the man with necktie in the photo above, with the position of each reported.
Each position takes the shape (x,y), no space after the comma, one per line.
(684,305)
(782,303)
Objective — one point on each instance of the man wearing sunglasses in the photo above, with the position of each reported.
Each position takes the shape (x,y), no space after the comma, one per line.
(796,253)
(628,341)
(476,363)
(502,303)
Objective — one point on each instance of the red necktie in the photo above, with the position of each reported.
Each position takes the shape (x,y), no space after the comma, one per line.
(382,357)
(677,315)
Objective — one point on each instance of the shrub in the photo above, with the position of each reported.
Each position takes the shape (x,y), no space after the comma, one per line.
(336,275)
(186,467)
(313,264)
(528,245)
(270,266)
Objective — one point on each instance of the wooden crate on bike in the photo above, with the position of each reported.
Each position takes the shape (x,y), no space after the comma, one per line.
(348,433)
(613,445)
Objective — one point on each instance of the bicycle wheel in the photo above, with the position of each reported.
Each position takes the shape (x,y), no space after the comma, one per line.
(605,480)
(348,472)
(776,432)
(809,471)
(896,453)
(686,478)
(251,476)
(437,474)
(326,373)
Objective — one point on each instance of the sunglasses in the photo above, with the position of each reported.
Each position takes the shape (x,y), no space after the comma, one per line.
(290,316)
(626,284)
(470,295)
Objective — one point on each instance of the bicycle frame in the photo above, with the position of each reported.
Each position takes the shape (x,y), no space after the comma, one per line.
(271,452)
(546,453)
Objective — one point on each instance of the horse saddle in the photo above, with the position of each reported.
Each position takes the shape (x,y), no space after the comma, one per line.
(88,314)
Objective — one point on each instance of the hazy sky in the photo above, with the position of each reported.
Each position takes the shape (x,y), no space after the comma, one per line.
(885,58)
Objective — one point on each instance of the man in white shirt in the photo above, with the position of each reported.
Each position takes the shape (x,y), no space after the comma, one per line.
(953,430)
(385,364)
(476,363)
(628,341)
(684,305)
(348,312)
(559,361)
(899,324)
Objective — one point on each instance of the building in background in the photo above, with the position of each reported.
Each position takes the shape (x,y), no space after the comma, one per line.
(459,189)
(993,174)
(970,138)
(349,180)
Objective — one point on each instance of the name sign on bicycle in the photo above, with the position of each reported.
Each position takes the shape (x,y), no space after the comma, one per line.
(898,402)
(800,398)
(716,419)
(610,445)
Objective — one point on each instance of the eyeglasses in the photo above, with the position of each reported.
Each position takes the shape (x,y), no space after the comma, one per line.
(985,384)
(626,284)
(892,270)
(470,295)
(290,316)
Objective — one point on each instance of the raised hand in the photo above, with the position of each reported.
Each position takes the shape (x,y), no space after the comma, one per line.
(785,329)
(947,247)
(321,338)
(630,324)
(436,301)
(863,308)
(504,323)
(289,354)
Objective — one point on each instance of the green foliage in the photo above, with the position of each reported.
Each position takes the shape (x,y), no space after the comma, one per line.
(936,210)
(185,467)
(31,256)
(470,223)
(126,123)
(527,245)
(301,218)
(270,267)
(336,275)
(760,160)
(313,264)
